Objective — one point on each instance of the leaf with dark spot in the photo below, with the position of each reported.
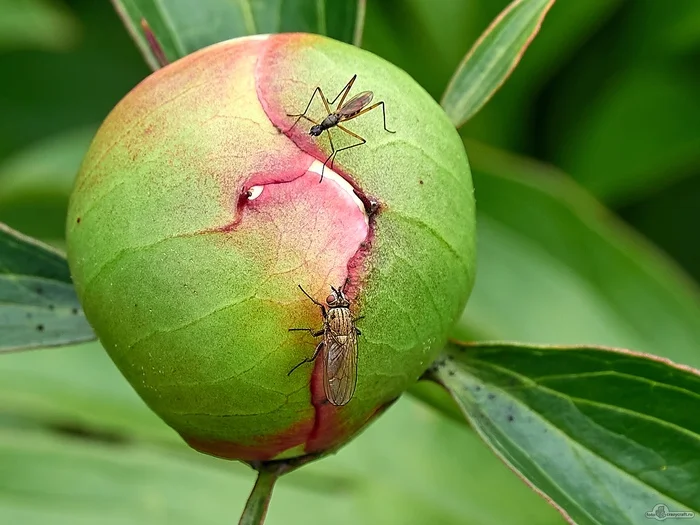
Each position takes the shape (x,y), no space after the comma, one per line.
(38,305)
(604,434)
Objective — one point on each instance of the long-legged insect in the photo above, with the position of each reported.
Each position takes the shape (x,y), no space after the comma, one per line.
(339,347)
(353,108)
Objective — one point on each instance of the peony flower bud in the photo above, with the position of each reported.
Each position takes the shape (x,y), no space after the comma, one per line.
(197,212)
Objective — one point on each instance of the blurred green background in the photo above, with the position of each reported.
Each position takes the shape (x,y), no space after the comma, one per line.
(607,93)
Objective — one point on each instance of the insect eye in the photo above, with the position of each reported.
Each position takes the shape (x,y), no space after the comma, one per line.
(331,299)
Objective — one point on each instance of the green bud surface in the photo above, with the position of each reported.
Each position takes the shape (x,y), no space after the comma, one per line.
(197,212)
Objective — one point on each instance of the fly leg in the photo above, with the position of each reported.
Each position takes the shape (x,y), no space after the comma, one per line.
(323,308)
(315,333)
(344,92)
(311,359)
(357,330)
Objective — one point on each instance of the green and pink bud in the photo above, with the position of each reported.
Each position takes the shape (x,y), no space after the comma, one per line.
(197,213)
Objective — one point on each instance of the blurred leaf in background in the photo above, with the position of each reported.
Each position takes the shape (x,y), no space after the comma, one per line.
(74,408)
(37,24)
(606,91)
(430,39)
(627,125)
(36,182)
(53,92)
(622,119)
(556,267)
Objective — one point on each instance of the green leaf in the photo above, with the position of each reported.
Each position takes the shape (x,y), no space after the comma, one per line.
(48,93)
(35,182)
(77,388)
(419,478)
(36,24)
(605,434)
(73,481)
(507,120)
(38,306)
(493,58)
(180,28)
(556,267)
(630,141)
(624,126)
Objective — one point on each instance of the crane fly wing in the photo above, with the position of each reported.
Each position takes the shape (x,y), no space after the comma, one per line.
(340,367)
(355,104)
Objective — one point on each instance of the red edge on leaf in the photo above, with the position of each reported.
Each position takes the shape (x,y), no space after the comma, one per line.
(563,348)
(153,43)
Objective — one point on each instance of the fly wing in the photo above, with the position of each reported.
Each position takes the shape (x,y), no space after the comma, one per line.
(355,104)
(340,367)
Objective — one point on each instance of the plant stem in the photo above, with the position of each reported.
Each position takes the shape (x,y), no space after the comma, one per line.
(256,506)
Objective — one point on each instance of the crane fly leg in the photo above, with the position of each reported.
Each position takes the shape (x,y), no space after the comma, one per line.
(344,92)
(333,152)
(306,118)
(303,115)
(346,130)
(370,108)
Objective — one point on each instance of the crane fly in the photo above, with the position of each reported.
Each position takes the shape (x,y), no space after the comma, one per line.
(339,347)
(353,108)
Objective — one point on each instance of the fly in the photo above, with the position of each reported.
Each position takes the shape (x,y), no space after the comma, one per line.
(339,347)
(353,108)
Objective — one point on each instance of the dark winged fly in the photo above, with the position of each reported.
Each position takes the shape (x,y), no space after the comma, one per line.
(353,108)
(339,347)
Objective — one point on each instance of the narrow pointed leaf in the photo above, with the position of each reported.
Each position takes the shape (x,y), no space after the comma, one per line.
(166,30)
(38,305)
(493,58)
(606,435)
